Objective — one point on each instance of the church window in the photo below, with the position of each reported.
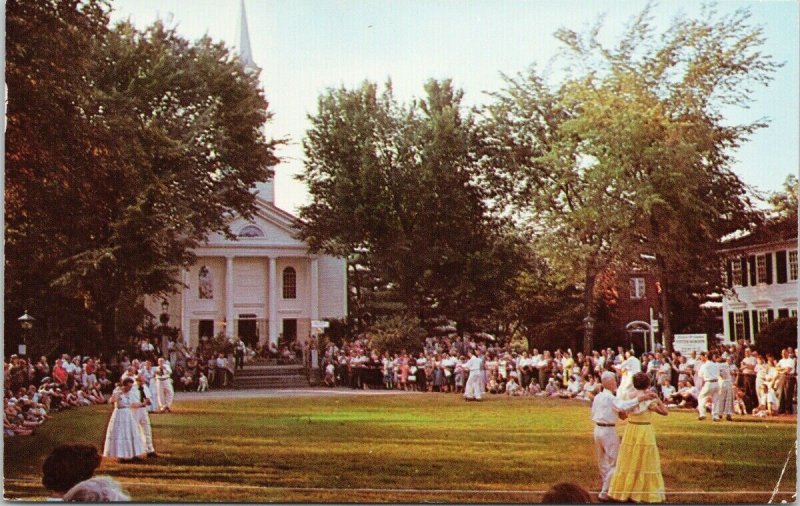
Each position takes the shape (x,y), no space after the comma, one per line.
(289,283)
(251,231)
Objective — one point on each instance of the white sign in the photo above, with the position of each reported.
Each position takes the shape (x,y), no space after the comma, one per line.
(654,325)
(22,349)
(687,343)
(320,324)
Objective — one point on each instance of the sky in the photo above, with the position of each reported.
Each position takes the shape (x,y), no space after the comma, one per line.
(305,47)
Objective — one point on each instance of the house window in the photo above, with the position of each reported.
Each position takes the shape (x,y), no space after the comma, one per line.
(761,268)
(738,320)
(289,283)
(736,272)
(793,265)
(637,288)
(251,231)
(793,313)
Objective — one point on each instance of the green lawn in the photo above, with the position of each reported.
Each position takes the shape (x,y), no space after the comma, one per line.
(405,448)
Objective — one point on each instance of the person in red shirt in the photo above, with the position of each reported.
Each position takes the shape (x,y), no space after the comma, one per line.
(60,373)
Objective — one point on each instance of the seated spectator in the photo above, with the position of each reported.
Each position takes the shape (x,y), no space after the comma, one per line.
(551,390)
(512,387)
(769,406)
(187,381)
(738,402)
(99,489)
(67,465)
(666,391)
(686,395)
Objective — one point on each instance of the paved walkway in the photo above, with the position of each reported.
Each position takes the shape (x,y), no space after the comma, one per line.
(286,392)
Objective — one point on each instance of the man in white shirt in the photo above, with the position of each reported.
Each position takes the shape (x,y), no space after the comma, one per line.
(141,393)
(606,409)
(164,390)
(709,374)
(474,388)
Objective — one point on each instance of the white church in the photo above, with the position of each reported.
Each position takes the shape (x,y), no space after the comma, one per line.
(264,285)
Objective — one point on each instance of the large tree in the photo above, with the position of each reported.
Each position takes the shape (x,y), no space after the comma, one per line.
(651,111)
(396,183)
(157,143)
(536,168)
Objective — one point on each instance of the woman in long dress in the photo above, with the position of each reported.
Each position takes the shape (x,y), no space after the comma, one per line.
(125,438)
(637,476)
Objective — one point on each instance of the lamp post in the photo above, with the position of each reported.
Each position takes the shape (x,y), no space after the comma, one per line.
(26,322)
(588,332)
(164,318)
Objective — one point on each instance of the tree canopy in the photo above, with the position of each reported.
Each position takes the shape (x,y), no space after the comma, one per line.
(123,152)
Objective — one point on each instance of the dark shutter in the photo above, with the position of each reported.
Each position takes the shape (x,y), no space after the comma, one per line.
(770,315)
(744,271)
(769,268)
(732,327)
(729,273)
(756,330)
(783,313)
(746,325)
(780,266)
(753,278)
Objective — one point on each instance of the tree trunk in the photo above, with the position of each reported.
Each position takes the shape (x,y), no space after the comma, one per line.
(588,301)
(664,299)
(356,283)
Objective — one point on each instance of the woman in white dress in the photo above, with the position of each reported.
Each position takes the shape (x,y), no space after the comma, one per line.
(124,437)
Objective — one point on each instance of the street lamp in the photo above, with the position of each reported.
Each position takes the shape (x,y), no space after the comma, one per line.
(588,331)
(164,318)
(26,322)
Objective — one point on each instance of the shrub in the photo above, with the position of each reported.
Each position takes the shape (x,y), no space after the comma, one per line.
(777,335)
(397,333)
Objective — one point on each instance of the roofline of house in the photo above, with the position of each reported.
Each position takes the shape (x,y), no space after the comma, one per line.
(759,245)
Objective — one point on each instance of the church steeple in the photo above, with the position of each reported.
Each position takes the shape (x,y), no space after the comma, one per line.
(245,51)
(266,189)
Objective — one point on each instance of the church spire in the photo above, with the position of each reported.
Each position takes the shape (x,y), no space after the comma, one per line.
(245,52)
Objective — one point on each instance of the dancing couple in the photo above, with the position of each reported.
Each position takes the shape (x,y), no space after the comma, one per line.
(630,471)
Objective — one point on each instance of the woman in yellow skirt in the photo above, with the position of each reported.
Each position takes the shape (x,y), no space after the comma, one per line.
(637,476)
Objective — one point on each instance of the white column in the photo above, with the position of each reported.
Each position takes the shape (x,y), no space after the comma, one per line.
(273,300)
(314,288)
(186,322)
(229,296)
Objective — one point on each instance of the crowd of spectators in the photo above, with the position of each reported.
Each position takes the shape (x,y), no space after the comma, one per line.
(36,388)
(762,383)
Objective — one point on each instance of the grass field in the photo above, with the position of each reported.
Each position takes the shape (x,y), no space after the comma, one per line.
(405,448)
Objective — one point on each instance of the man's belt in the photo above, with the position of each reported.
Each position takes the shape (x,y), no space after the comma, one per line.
(605,424)
(710,381)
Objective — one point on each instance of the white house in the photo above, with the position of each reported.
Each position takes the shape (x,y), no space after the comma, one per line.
(761,272)
(264,284)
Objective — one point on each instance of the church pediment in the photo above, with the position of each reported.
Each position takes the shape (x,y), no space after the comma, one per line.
(269,226)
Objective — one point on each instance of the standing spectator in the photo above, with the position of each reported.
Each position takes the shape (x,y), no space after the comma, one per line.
(785,382)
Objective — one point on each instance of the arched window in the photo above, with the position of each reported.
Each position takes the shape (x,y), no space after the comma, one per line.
(251,231)
(289,283)
(205,283)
